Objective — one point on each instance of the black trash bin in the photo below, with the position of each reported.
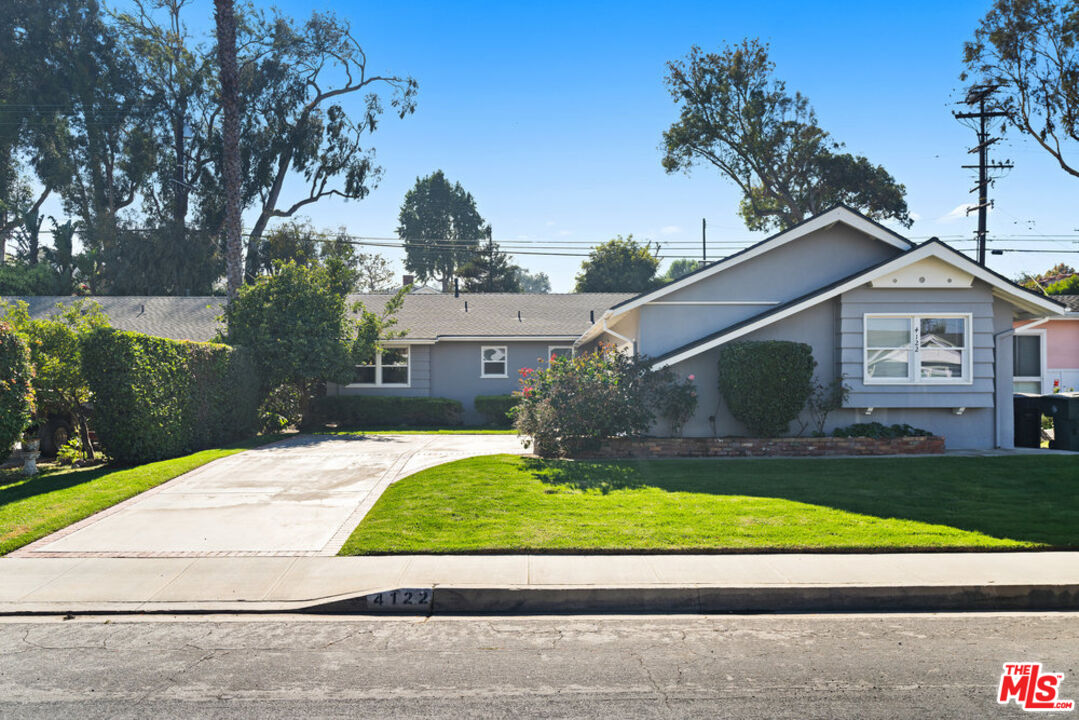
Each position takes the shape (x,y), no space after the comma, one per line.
(1028,420)
(1064,409)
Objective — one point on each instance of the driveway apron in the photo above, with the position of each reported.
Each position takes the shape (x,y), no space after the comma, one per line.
(299,497)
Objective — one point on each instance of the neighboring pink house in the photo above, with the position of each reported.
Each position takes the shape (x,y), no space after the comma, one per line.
(1047,351)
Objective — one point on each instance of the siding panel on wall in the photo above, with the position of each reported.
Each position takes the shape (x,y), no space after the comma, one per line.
(977,300)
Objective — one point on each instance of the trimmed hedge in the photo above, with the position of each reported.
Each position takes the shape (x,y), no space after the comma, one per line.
(156,398)
(495,408)
(386,411)
(766,383)
(16,396)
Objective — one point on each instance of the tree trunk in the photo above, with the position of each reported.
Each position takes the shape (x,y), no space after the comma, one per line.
(225,16)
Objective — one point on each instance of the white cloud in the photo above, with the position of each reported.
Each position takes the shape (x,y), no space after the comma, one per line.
(564,233)
(550,223)
(670,230)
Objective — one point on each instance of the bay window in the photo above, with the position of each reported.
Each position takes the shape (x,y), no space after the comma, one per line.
(906,349)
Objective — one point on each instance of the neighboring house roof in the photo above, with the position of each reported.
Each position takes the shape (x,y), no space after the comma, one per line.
(424,317)
(1069,301)
(495,315)
(839,213)
(178,318)
(1031,301)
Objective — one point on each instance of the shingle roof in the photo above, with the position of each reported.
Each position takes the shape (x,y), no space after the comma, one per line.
(428,317)
(1071,301)
(179,318)
(423,317)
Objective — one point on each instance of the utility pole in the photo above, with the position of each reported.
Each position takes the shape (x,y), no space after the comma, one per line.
(977,96)
(704,241)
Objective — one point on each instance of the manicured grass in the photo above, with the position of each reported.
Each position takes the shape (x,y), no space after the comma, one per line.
(31,508)
(505,503)
(456,430)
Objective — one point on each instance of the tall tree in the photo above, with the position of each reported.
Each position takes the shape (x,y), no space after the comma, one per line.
(736,116)
(619,265)
(490,270)
(441,228)
(680,268)
(228,73)
(533,282)
(1029,51)
(294,82)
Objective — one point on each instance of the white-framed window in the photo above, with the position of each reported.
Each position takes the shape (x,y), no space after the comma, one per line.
(929,348)
(389,368)
(1028,361)
(554,351)
(494,361)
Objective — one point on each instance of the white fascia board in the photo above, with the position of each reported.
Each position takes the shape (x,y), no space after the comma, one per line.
(833,216)
(507,338)
(1001,289)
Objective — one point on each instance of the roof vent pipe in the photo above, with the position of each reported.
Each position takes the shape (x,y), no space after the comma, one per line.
(466,305)
(592,316)
(456,288)
(518,316)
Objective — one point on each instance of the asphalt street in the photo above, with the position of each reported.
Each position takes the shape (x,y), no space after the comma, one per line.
(821,666)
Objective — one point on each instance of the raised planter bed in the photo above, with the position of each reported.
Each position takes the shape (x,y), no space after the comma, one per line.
(762,447)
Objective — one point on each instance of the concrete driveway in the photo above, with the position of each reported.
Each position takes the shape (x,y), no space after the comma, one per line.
(302,496)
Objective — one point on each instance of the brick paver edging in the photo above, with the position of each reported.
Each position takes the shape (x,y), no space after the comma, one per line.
(762,447)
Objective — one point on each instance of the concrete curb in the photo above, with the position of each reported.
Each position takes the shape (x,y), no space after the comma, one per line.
(572,599)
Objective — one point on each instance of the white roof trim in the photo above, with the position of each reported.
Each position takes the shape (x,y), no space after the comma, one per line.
(506,338)
(835,215)
(1001,288)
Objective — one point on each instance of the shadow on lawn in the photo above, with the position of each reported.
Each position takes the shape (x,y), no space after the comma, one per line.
(1028,499)
(17,487)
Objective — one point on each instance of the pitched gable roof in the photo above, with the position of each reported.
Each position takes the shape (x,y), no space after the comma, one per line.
(1018,295)
(839,213)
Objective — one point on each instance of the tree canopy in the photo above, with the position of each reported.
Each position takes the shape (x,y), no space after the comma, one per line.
(119,114)
(619,265)
(490,270)
(680,268)
(1027,51)
(441,228)
(736,115)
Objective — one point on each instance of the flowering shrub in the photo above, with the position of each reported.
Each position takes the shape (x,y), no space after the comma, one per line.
(573,403)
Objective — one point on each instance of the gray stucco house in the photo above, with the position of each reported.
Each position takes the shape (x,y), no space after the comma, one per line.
(921,333)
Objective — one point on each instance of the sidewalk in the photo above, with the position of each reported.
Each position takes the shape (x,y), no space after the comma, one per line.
(544,583)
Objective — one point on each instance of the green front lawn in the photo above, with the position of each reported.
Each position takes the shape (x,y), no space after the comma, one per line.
(31,508)
(506,503)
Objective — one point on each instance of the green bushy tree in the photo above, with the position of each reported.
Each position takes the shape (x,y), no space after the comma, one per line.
(16,394)
(766,384)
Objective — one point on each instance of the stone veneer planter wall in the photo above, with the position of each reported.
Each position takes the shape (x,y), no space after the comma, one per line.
(762,447)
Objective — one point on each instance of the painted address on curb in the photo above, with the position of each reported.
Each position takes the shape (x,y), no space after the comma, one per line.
(401,599)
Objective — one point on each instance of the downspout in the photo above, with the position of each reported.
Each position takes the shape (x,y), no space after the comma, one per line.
(996,375)
(632,343)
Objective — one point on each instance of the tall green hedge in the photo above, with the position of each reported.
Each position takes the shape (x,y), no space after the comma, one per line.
(386,411)
(766,383)
(156,398)
(16,397)
(495,408)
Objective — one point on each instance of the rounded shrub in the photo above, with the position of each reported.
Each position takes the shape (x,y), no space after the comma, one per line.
(16,397)
(766,383)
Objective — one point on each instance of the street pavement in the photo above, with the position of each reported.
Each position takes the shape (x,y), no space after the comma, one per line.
(783,666)
(299,497)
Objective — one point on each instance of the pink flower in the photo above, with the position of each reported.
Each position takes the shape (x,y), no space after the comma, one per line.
(692,377)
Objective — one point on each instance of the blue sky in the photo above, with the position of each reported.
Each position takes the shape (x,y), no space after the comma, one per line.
(551,114)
